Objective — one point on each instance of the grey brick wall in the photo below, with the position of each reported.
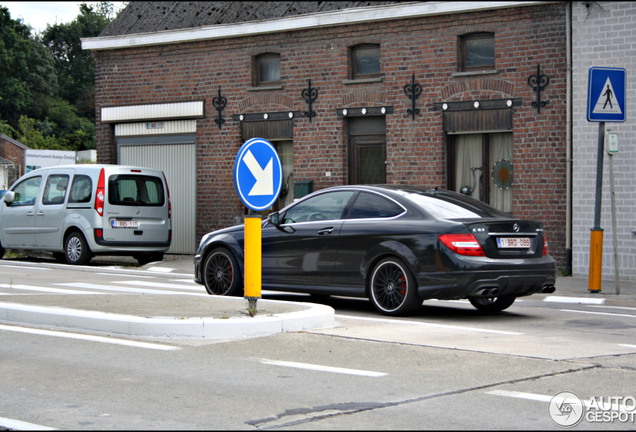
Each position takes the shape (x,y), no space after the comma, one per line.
(604,35)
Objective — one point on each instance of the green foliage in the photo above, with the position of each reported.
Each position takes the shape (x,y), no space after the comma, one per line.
(47,82)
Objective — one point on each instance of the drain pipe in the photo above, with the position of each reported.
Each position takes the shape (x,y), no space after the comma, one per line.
(568,151)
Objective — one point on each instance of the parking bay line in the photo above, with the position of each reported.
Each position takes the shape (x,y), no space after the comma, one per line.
(90,338)
(323,368)
(45,289)
(546,398)
(599,313)
(199,288)
(12,424)
(128,290)
(426,324)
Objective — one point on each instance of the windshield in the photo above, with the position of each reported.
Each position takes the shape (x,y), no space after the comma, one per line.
(454,206)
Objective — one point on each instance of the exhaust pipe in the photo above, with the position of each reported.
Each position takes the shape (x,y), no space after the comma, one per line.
(489,292)
(548,289)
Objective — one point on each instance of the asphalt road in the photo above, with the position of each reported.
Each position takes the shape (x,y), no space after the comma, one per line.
(447,367)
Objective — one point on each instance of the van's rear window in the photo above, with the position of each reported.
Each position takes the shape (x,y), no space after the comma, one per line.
(135,190)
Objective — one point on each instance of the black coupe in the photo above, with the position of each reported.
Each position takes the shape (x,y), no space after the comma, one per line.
(397,245)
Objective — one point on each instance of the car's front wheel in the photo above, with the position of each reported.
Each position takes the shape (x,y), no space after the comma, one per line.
(76,249)
(221,273)
(392,288)
(492,304)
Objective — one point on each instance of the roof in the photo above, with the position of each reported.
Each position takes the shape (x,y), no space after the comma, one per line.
(148,16)
(5,162)
(14,142)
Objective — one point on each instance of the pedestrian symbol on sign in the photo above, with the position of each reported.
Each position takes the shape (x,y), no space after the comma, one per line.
(607,103)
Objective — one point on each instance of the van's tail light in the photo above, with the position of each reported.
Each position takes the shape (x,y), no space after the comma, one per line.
(545,244)
(462,244)
(168,189)
(99,197)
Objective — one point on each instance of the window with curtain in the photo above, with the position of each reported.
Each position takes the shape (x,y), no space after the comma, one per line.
(482,168)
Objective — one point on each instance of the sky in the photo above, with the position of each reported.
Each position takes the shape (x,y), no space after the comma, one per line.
(39,14)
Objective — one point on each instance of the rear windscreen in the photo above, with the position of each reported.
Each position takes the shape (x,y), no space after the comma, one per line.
(137,190)
(454,206)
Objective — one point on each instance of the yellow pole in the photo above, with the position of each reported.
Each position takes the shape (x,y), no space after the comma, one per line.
(596,260)
(253,263)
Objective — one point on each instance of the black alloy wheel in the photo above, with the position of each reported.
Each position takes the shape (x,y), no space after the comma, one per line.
(76,249)
(492,304)
(393,290)
(221,273)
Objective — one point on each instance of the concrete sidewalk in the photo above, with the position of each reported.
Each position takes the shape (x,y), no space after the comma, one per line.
(200,316)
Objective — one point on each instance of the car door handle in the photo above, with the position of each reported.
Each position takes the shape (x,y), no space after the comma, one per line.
(30,214)
(39,214)
(325,231)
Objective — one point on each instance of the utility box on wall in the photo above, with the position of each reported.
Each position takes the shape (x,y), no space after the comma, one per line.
(303,187)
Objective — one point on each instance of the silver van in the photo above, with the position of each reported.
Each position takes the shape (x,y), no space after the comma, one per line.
(78,211)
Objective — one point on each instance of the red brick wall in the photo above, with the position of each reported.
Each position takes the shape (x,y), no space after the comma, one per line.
(416,150)
(12,152)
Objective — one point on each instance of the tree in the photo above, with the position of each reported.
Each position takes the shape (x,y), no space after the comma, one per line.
(27,71)
(75,67)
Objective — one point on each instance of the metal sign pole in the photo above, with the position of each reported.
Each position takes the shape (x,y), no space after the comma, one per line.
(596,236)
(614,233)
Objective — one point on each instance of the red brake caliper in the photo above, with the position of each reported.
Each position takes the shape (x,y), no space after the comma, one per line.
(403,285)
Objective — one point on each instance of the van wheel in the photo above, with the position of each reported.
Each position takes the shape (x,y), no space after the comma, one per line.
(76,249)
(221,273)
(146,258)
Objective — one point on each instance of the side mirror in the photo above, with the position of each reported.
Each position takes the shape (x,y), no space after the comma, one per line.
(274,218)
(9,197)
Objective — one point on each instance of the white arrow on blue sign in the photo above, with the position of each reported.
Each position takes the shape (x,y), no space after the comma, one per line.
(606,94)
(258,174)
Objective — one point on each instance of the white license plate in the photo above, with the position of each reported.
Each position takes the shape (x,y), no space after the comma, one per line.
(513,242)
(125,224)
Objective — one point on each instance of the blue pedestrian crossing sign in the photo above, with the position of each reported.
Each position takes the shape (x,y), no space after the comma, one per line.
(606,94)
(258,174)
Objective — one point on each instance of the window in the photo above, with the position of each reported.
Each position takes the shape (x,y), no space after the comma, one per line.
(267,67)
(55,189)
(81,189)
(477,51)
(135,190)
(27,191)
(481,167)
(371,206)
(365,61)
(327,206)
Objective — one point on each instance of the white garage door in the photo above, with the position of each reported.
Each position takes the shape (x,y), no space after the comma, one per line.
(178,162)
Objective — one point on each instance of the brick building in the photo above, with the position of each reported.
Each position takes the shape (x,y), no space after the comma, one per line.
(427,93)
(15,152)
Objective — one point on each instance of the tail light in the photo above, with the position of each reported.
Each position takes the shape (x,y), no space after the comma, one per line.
(99,197)
(545,244)
(462,244)
(168,189)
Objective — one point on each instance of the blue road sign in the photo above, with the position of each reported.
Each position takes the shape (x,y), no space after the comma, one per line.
(606,94)
(258,174)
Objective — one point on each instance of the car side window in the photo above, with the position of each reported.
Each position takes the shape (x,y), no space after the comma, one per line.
(81,190)
(371,206)
(327,206)
(55,189)
(27,191)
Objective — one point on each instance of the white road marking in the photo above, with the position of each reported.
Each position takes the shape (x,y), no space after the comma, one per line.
(615,307)
(599,313)
(127,274)
(577,300)
(160,269)
(323,368)
(627,345)
(11,424)
(183,280)
(30,268)
(199,288)
(398,321)
(128,290)
(44,289)
(543,398)
(89,338)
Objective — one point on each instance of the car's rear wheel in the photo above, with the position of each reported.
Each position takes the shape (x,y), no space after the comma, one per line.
(76,249)
(392,288)
(221,273)
(492,304)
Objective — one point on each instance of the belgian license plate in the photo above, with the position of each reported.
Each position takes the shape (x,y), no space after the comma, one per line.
(513,242)
(125,224)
